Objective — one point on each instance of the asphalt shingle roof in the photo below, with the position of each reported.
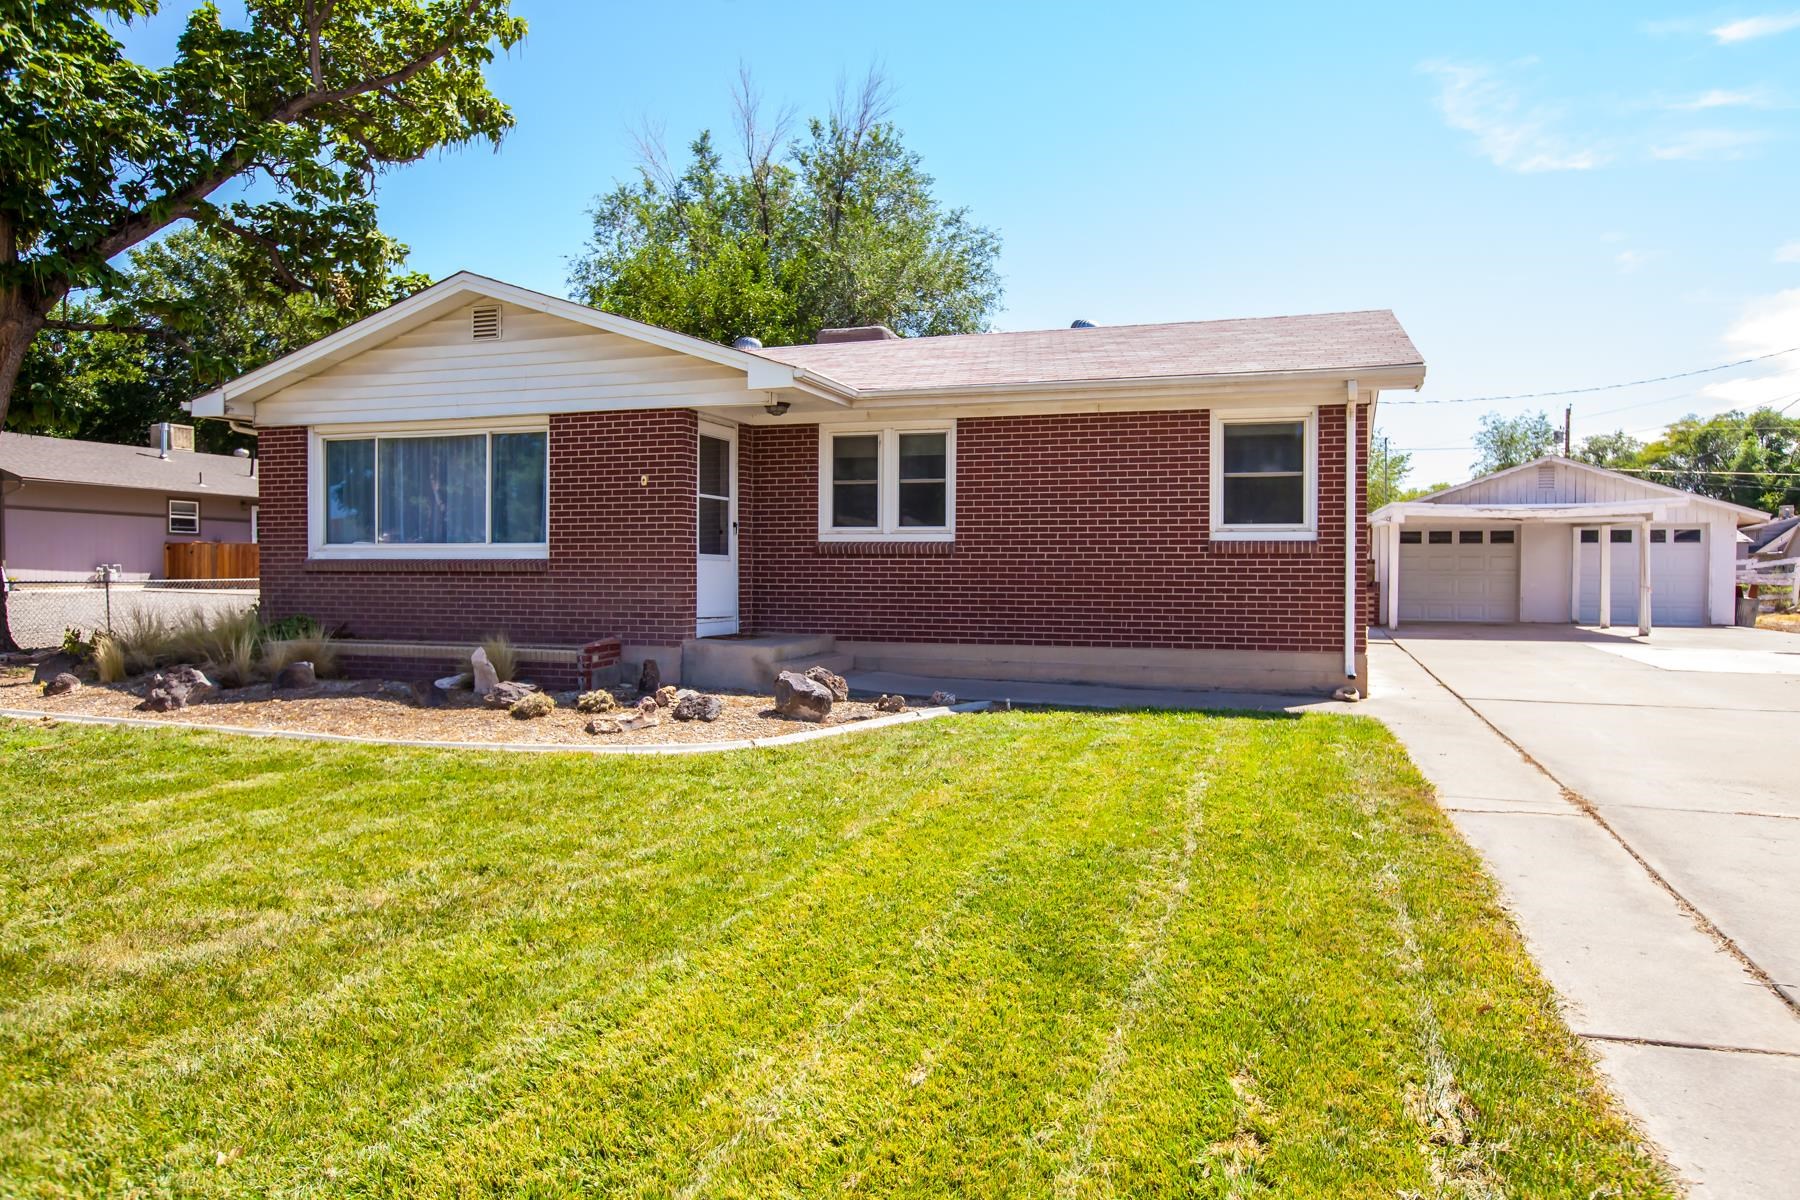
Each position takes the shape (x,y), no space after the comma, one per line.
(66,460)
(1320,342)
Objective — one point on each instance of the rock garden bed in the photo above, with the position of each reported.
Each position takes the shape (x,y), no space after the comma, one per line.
(393,709)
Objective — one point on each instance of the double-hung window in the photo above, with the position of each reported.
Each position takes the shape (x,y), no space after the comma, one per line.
(184,516)
(1265,475)
(895,483)
(457,492)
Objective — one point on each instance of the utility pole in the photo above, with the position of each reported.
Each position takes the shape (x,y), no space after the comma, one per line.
(1568,426)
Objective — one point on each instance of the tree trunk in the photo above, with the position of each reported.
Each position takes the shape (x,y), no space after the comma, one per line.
(19,323)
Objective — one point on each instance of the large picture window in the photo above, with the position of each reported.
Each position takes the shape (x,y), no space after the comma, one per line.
(455,489)
(1264,476)
(895,483)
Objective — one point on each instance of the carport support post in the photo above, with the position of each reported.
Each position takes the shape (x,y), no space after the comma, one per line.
(1393,579)
(1574,574)
(1606,576)
(1643,548)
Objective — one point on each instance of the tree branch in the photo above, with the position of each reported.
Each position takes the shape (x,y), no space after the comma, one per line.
(301,105)
(270,248)
(121,328)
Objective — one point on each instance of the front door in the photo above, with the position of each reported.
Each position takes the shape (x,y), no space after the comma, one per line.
(716,570)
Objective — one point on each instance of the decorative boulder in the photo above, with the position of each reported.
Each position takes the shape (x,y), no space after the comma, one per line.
(61,684)
(596,702)
(486,678)
(643,716)
(56,664)
(943,699)
(831,681)
(891,704)
(537,704)
(428,693)
(174,689)
(294,676)
(600,727)
(650,678)
(800,697)
(695,707)
(451,683)
(505,695)
(665,696)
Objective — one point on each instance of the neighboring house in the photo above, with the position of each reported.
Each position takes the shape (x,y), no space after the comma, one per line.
(73,506)
(1144,504)
(1771,541)
(1556,540)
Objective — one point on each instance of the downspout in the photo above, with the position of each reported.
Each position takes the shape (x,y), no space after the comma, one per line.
(1350,539)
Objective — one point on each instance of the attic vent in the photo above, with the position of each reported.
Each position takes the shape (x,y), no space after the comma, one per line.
(1546,476)
(484,323)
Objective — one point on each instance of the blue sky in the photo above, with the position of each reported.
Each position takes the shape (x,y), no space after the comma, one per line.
(1549,196)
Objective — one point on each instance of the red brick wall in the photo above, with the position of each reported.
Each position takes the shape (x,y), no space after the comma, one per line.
(1084,530)
(621,550)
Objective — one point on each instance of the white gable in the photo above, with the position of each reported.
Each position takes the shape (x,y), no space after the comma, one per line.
(539,363)
(1559,481)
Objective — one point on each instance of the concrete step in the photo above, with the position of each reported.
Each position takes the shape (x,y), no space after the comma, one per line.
(749,664)
(837,663)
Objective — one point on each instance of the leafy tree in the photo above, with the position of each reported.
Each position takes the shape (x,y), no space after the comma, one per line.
(305,105)
(82,379)
(1388,470)
(1610,450)
(1417,493)
(838,227)
(1509,441)
(1746,458)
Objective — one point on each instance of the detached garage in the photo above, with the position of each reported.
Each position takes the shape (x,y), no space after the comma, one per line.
(1558,541)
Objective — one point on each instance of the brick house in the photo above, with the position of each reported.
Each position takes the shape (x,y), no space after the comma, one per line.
(1155,504)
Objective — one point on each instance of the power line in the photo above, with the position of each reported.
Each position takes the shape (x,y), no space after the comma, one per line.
(1604,387)
(1704,471)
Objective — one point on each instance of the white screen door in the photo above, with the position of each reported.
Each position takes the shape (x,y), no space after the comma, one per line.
(716,569)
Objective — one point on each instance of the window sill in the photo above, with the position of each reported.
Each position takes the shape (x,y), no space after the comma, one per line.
(1265,535)
(446,566)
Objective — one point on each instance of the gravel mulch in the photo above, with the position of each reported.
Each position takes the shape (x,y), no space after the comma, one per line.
(369,708)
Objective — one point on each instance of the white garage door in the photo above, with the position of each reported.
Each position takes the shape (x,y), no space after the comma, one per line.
(1677,576)
(1459,575)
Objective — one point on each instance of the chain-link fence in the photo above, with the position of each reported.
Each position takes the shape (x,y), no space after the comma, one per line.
(38,611)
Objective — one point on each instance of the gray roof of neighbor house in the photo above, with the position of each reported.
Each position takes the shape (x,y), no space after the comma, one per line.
(102,464)
(1345,341)
(1764,537)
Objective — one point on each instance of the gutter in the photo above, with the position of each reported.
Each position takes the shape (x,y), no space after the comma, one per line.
(1350,531)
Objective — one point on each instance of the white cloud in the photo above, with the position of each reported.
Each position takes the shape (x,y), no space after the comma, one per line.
(1630,260)
(1789,253)
(1767,324)
(1707,144)
(1473,99)
(1750,28)
(1724,98)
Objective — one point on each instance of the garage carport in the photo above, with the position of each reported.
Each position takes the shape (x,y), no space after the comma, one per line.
(1556,541)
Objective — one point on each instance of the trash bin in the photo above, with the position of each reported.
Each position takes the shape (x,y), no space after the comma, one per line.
(1747,609)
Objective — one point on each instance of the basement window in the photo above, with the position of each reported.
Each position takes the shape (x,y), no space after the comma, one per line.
(888,483)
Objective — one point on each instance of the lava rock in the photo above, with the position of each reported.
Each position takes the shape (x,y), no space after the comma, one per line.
(56,664)
(61,684)
(831,681)
(429,693)
(596,702)
(798,696)
(650,678)
(536,704)
(294,676)
(943,699)
(695,707)
(891,704)
(665,696)
(176,688)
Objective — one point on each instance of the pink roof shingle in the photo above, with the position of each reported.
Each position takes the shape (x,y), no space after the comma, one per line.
(1321,342)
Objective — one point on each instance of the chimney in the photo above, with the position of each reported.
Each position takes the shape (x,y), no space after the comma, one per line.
(856,333)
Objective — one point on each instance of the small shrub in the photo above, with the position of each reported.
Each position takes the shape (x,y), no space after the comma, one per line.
(596,702)
(501,656)
(225,641)
(109,658)
(235,665)
(538,704)
(289,628)
(307,641)
(76,646)
(146,640)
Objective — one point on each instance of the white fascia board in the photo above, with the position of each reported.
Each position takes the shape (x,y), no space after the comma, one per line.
(1654,510)
(1749,515)
(1377,379)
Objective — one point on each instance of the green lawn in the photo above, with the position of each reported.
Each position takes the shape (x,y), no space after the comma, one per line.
(1030,954)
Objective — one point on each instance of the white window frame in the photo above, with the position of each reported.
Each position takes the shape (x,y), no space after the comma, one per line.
(887,527)
(1308,529)
(317,438)
(192,514)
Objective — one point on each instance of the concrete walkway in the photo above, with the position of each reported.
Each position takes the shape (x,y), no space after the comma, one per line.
(1698,1041)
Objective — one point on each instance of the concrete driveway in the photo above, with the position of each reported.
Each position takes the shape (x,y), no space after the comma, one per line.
(1639,802)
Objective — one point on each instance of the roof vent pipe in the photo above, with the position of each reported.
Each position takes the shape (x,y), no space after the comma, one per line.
(747,343)
(162,433)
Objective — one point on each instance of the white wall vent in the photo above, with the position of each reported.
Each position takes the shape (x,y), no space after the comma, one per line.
(1546,476)
(484,323)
